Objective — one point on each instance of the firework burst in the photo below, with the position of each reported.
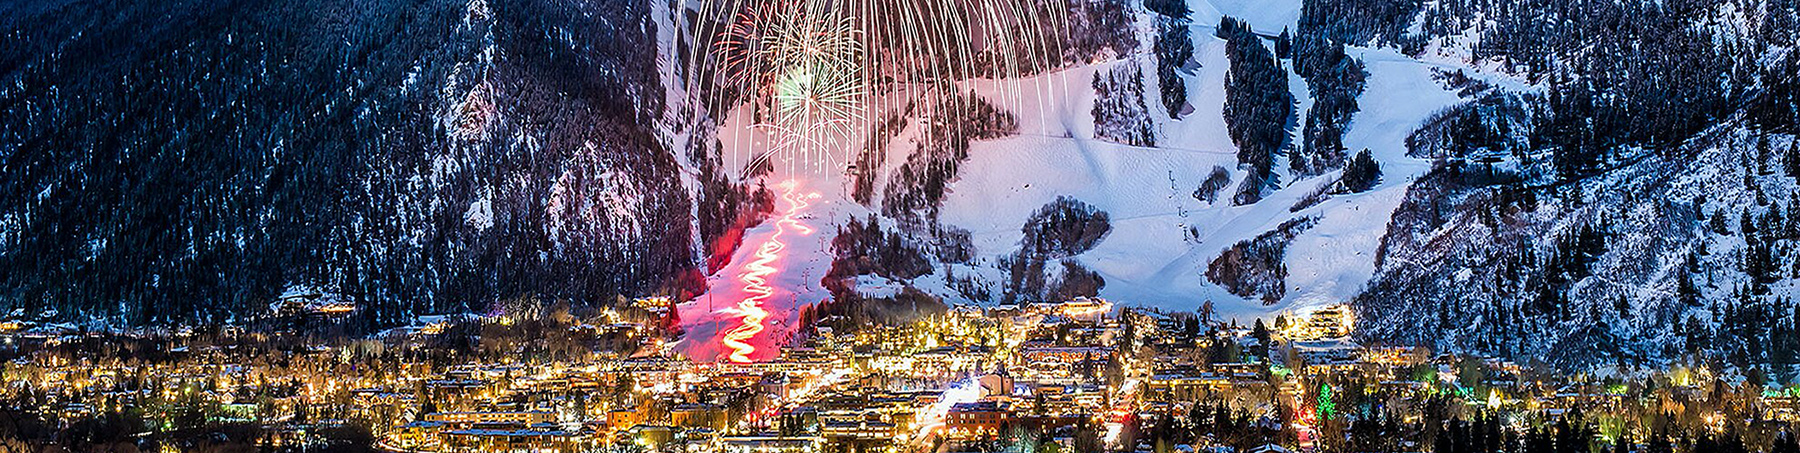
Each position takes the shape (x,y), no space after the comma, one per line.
(808,80)
(816,73)
(805,57)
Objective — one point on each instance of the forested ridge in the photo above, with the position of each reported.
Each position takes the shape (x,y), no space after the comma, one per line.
(1635,209)
(176,161)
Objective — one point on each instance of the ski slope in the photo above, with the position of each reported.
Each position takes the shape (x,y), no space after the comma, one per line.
(1150,258)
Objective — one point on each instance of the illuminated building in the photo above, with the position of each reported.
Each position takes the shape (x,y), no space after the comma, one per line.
(521,418)
(770,444)
(1330,322)
(858,430)
(533,439)
(698,415)
(978,420)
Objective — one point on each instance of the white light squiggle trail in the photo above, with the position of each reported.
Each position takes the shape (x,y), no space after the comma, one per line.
(756,278)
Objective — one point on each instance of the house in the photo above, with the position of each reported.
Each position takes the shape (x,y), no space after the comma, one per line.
(980,420)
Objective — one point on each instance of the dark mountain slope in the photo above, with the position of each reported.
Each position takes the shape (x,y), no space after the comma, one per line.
(1636,208)
(191,160)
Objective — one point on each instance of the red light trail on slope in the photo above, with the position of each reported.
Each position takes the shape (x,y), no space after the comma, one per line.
(756,277)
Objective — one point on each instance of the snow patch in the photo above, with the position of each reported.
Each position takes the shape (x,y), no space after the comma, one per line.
(480,214)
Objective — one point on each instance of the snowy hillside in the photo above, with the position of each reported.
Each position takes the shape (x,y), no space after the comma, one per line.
(1163,237)
(1154,256)
(1601,178)
(1110,149)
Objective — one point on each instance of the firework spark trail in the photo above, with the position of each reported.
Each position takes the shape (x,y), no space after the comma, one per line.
(756,278)
(791,87)
(816,73)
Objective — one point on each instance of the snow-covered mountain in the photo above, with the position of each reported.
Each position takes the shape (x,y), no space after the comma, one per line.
(1585,180)
(190,160)
(1164,233)
(1632,205)
(1511,150)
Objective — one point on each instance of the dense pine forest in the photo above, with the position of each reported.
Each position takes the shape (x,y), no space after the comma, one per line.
(191,161)
(1635,207)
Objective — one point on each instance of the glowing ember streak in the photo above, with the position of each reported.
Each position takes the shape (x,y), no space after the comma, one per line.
(756,279)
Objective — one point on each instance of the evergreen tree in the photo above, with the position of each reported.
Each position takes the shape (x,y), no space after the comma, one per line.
(1173,48)
(1262,336)
(1362,173)
(1335,80)
(1258,106)
(1284,44)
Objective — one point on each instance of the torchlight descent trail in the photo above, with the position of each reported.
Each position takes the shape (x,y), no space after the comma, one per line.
(755,279)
